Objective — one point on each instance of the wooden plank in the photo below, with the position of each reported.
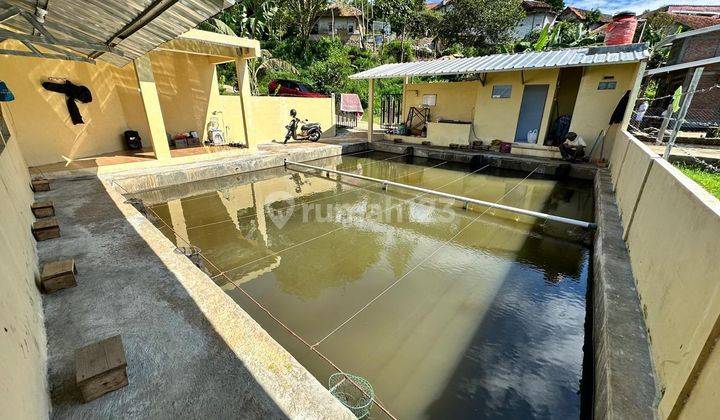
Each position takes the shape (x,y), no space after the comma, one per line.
(40,184)
(46,229)
(101,368)
(58,275)
(43,209)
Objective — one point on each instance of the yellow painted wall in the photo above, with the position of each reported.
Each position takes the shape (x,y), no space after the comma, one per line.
(187,84)
(271,113)
(188,92)
(45,132)
(497,118)
(455,101)
(23,355)
(471,101)
(672,243)
(594,107)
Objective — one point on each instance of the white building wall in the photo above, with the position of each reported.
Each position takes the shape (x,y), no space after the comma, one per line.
(531,22)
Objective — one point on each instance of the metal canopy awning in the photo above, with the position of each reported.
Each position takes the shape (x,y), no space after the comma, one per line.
(223,47)
(572,57)
(116,31)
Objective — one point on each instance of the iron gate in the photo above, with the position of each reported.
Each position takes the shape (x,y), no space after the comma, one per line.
(390,110)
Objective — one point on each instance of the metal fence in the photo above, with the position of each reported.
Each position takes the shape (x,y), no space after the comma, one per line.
(390,110)
(685,119)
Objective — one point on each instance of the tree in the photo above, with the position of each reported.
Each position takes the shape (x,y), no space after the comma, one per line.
(561,35)
(424,23)
(483,24)
(557,5)
(399,13)
(303,14)
(247,18)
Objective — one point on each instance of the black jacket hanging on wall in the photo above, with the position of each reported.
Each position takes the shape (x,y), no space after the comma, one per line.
(73,93)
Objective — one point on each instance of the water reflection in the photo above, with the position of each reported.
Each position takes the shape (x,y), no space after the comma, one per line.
(491,326)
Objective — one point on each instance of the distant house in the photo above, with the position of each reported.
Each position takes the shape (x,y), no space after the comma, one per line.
(343,21)
(537,15)
(575,14)
(687,17)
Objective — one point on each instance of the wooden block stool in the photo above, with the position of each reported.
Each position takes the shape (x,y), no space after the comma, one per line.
(101,368)
(40,184)
(58,275)
(46,229)
(43,209)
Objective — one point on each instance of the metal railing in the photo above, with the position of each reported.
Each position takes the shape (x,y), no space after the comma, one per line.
(466,200)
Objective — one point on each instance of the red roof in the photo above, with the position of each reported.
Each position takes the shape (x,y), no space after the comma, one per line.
(431,6)
(581,14)
(680,8)
(694,21)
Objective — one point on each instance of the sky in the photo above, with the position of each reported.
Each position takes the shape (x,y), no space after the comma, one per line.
(637,6)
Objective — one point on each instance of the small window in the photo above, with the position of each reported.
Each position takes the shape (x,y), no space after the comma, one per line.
(501,91)
(607,85)
(429,100)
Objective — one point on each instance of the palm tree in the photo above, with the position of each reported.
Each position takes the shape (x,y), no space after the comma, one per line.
(265,63)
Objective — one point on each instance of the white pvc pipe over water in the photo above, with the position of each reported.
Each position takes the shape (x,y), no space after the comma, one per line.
(467,200)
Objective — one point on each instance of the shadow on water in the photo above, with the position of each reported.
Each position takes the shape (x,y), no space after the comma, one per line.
(523,359)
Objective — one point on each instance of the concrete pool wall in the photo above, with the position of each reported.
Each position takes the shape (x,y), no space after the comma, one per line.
(671,226)
(627,178)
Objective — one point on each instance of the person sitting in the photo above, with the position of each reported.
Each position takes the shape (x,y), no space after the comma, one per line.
(573,148)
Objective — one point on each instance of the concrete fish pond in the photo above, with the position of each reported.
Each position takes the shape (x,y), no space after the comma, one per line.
(448,312)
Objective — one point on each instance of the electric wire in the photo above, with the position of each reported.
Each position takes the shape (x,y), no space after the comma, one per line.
(269,313)
(311,201)
(393,284)
(275,253)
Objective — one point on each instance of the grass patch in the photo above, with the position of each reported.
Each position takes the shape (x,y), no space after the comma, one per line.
(708,180)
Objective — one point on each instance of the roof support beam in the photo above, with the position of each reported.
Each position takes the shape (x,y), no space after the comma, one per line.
(51,56)
(145,17)
(38,26)
(10,13)
(71,55)
(58,42)
(32,48)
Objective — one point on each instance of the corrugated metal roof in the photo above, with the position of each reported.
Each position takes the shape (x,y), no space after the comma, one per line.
(572,57)
(100,21)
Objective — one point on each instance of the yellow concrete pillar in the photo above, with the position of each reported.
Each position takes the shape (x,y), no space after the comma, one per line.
(371,101)
(243,76)
(179,225)
(151,102)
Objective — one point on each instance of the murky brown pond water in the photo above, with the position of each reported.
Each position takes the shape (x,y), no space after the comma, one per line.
(487,325)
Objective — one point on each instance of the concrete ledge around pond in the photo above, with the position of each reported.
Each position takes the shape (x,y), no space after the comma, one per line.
(624,378)
(272,156)
(542,165)
(191,350)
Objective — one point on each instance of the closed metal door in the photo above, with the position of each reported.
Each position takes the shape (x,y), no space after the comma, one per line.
(531,111)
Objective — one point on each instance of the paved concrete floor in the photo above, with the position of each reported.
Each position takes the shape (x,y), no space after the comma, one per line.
(191,351)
